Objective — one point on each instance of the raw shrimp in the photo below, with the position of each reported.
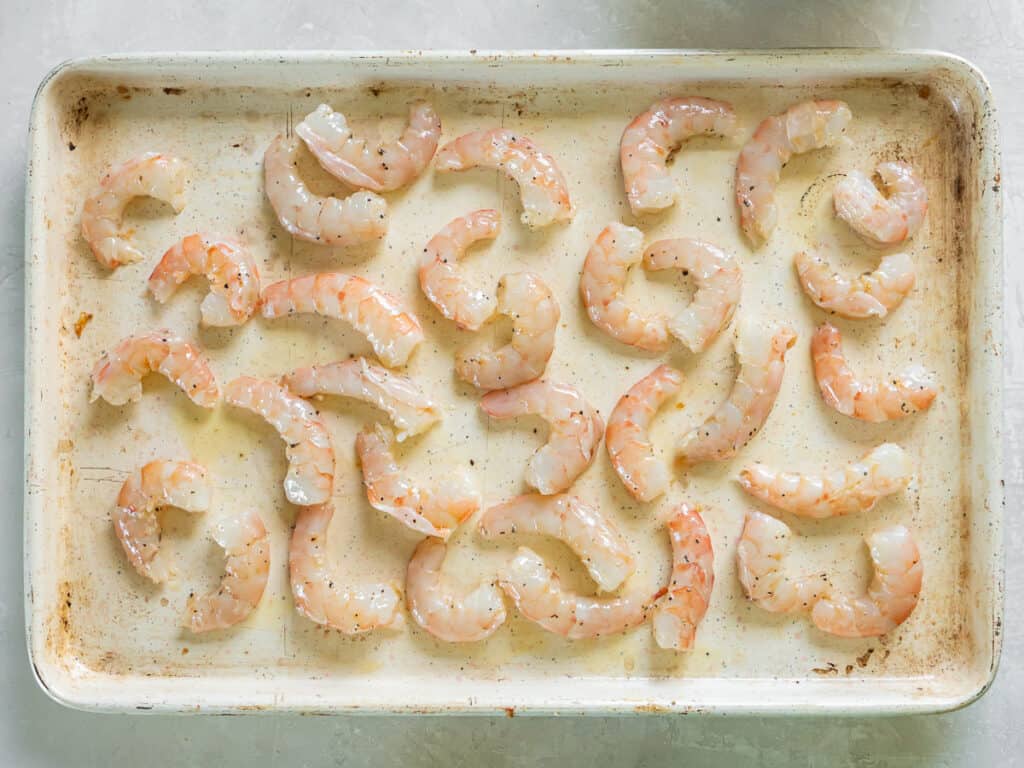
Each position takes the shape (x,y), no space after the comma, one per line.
(318,594)
(117,377)
(909,391)
(857,487)
(590,534)
(440,278)
(381,166)
(230,268)
(454,618)
(310,477)
(882,219)
(762,357)
(247,546)
(575,430)
(358,218)
(801,128)
(653,135)
(872,294)
(542,187)
(180,484)
(434,511)
(408,406)
(891,597)
(392,330)
(149,175)
(525,298)
(644,474)
(678,613)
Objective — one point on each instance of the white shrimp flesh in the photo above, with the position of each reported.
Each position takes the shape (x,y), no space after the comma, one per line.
(882,219)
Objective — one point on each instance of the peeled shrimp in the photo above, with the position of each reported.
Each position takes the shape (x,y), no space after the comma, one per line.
(907,392)
(310,477)
(801,128)
(434,511)
(317,591)
(446,615)
(247,546)
(891,597)
(643,473)
(882,219)
(440,279)
(408,406)
(542,186)
(872,294)
(525,298)
(590,534)
(381,167)
(678,613)
(358,218)
(149,175)
(231,270)
(575,426)
(117,376)
(180,484)
(392,330)
(762,357)
(653,135)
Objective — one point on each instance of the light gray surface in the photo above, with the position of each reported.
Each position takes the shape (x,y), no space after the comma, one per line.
(34,36)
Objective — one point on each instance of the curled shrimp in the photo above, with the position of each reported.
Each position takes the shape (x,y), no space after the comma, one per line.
(434,511)
(801,128)
(678,613)
(857,487)
(542,187)
(117,376)
(575,430)
(907,392)
(381,167)
(149,175)
(408,406)
(591,535)
(180,484)
(310,477)
(448,616)
(247,546)
(872,294)
(891,596)
(230,268)
(653,135)
(882,219)
(358,218)
(440,279)
(644,474)
(762,357)
(318,593)
(392,330)
(528,301)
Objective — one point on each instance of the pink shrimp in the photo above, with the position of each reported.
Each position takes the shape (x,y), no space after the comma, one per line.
(872,294)
(882,220)
(677,615)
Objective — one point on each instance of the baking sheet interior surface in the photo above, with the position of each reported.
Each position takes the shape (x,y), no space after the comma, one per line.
(106,620)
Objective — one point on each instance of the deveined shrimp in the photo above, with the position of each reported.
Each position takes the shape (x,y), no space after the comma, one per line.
(872,294)
(117,376)
(677,614)
(448,616)
(801,128)
(882,219)
(392,330)
(907,392)
(440,278)
(381,166)
(641,470)
(575,430)
(318,593)
(653,135)
(857,487)
(149,175)
(358,218)
(585,530)
(542,187)
(230,268)
(310,477)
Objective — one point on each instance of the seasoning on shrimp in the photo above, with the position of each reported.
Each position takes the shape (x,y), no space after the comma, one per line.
(677,615)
